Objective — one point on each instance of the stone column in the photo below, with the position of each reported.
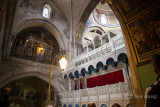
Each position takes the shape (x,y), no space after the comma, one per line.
(87,48)
(101,41)
(93,45)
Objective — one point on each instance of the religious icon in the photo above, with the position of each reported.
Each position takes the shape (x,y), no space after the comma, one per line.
(40,53)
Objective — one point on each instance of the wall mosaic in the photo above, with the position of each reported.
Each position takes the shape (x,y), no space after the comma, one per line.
(145,34)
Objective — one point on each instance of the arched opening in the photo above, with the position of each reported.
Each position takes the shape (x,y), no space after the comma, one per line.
(123,58)
(76,73)
(100,65)
(36,44)
(90,41)
(27,92)
(83,71)
(65,76)
(91,69)
(110,61)
(71,75)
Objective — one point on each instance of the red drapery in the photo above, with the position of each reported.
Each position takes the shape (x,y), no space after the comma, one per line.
(81,83)
(111,78)
(75,84)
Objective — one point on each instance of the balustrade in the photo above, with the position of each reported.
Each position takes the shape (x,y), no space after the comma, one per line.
(33,50)
(119,90)
(113,45)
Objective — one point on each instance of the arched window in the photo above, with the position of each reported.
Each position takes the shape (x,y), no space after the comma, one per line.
(47,11)
(103,19)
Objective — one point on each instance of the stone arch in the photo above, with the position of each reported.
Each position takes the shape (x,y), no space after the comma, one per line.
(110,61)
(91,69)
(83,71)
(93,28)
(65,76)
(122,57)
(9,77)
(90,7)
(76,73)
(71,75)
(61,39)
(100,65)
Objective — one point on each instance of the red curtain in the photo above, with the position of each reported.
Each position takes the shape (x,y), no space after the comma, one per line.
(81,83)
(111,78)
(75,84)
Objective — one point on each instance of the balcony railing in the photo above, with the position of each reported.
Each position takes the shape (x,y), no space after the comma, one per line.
(104,50)
(118,91)
(33,50)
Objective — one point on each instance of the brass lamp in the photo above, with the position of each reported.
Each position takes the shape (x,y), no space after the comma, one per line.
(63,64)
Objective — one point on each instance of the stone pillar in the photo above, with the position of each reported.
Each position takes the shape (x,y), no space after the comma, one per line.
(109,36)
(101,41)
(87,48)
(93,45)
